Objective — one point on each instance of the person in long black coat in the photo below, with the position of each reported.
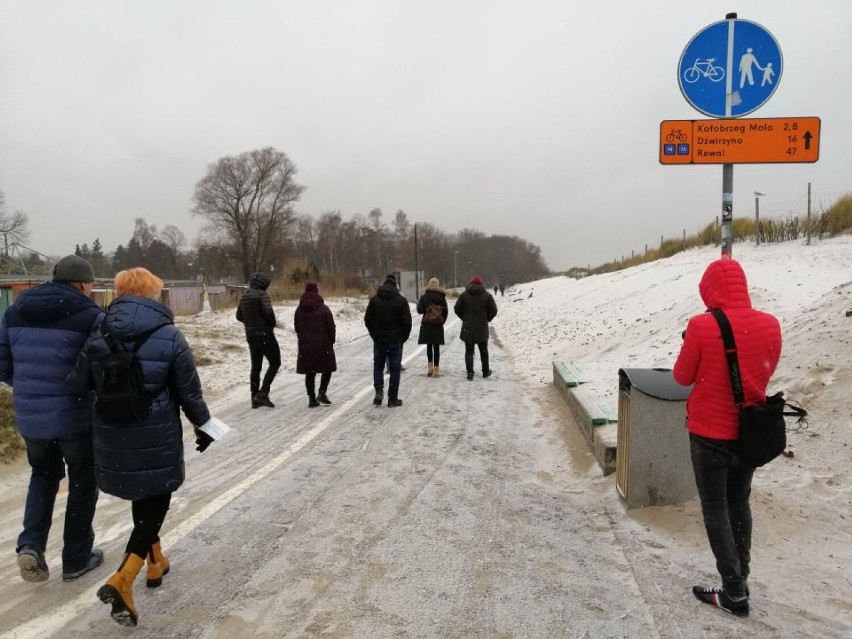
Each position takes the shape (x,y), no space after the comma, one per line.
(476,308)
(432,324)
(316,333)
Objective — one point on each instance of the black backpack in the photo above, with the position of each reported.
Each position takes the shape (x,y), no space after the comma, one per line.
(121,397)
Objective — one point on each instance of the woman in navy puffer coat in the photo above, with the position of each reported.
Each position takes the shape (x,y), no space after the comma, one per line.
(143,462)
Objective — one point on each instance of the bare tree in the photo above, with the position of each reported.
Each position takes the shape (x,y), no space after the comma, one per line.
(305,236)
(401,225)
(144,233)
(14,227)
(328,238)
(247,199)
(174,238)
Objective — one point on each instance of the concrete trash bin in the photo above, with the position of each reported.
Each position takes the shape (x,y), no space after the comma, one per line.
(653,465)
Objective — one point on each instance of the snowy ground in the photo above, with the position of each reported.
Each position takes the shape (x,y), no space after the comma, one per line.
(476,509)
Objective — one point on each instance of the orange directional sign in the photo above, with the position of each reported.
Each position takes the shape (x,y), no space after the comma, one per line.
(739,141)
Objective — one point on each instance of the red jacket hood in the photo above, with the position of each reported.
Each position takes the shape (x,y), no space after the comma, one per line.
(724,285)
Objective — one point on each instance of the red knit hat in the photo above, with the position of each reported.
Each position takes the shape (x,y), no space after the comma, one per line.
(476,280)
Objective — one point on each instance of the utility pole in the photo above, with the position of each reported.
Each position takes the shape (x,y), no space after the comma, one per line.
(416,267)
(456,268)
(809,213)
(757,195)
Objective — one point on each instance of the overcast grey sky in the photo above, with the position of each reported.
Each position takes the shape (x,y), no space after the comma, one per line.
(535,118)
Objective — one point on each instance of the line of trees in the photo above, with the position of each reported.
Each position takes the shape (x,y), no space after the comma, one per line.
(250,224)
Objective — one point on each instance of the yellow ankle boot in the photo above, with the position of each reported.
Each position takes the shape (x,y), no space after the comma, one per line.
(430,370)
(435,371)
(118,590)
(158,566)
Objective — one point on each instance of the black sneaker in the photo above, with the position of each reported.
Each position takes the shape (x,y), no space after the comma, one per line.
(393,402)
(470,376)
(95,560)
(312,403)
(322,398)
(486,373)
(717,596)
(32,564)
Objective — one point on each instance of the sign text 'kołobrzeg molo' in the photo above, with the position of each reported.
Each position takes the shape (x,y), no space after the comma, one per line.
(739,141)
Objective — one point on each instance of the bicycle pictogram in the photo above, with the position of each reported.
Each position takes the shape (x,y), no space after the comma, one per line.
(703,69)
(676,135)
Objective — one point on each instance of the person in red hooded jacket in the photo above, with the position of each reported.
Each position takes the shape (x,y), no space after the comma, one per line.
(724,483)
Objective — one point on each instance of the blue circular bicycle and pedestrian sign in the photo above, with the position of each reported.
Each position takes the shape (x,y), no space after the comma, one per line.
(730,68)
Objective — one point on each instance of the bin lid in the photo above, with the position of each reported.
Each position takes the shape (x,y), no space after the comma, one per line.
(656,382)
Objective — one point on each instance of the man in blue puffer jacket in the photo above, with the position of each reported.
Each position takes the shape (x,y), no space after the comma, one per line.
(40,338)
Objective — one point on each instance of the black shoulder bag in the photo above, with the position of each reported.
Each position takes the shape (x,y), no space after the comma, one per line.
(763,432)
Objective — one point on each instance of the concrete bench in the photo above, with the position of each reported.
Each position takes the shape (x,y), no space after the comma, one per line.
(568,374)
(597,421)
(605,446)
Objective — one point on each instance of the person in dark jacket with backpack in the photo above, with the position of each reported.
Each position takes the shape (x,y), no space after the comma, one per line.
(388,320)
(143,462)
(476,308)
(315,330)
(712,418)
(40,338)
(432,305)
(256,313)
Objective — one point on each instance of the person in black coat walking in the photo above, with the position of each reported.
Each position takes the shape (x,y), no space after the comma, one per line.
(388,320)
(476,308)
(256,312)
(432,305)
(315,331)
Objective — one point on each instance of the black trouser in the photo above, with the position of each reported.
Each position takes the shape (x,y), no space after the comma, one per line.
(148,516)
(468,355)
(724,488)
(433,353)
(259,347)
(310,383)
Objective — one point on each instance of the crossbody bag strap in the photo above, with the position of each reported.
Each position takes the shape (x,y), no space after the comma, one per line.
(731,355)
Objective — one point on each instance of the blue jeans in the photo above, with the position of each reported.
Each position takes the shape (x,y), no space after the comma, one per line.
(48,459)
(724,488)
(392,352)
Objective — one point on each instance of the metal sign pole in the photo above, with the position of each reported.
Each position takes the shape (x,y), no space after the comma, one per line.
(728,169)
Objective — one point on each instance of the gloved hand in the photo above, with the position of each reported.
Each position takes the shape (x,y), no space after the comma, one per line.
(203,440)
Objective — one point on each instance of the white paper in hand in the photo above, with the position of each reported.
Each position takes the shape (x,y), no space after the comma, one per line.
(215,427)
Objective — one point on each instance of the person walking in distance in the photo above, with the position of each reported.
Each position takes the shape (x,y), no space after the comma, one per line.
(476,308)
(142,461)
(40,338)
(388,320)
(432,305)
(723,481)
(315,331)
(256,313)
